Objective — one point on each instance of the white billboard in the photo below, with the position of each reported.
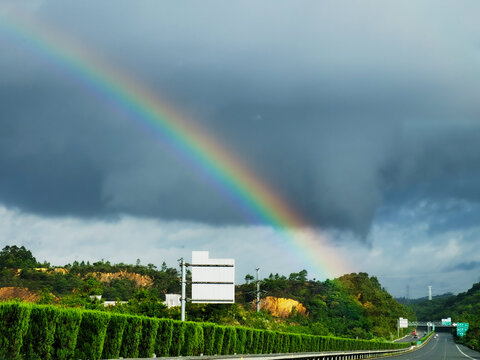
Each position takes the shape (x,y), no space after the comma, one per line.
(213,280)
(403,323)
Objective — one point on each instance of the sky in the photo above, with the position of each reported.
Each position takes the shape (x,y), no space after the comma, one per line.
(363,117)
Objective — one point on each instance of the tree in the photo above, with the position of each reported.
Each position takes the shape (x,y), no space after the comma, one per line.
(249,278)
(14,257)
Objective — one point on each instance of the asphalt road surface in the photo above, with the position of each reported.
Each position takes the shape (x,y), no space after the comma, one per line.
(441,348)
(411,338)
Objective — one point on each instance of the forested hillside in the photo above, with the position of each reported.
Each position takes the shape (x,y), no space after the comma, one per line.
(354,305)
(464,307)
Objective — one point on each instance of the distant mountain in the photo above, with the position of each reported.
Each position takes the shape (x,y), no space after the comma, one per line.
(405,301)
(464,307)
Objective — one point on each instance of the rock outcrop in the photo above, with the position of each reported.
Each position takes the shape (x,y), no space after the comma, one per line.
(11,292)
(140,280)
(281,307)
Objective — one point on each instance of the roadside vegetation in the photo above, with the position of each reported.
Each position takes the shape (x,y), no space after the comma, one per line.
(354,305)
(464,307)
(50,332)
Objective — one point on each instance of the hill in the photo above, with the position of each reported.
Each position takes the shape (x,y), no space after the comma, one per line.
(354,305)
(464,307)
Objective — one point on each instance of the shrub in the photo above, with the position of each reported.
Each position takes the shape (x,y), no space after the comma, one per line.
(278,344)
(149,334)
(178,338)
(241,340)
(193,343)
(208,338)
(54,333)
(114,335)
(66,331)
(219,334)
(38,341)
(249,341)
(259,339)
(229,339)
(269,338)
(13,328)
(286,343)
(131,337)
(163,342)
(91,335)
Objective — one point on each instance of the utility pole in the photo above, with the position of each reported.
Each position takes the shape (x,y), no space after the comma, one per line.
(258,291)
(184,289)
(429,292)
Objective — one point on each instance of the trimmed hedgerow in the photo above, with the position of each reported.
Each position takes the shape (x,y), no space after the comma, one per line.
(91,335)
(193,343)
(163,341)
(149,334)
(269,338)
(66,331)
(229,340)
(178,338)
(38,341)
(55,333)
(241,340)
(114,336)
(13,327)
(260,337)
(278,343)
(208,338)
(131,337)
(219,335)
(249,341)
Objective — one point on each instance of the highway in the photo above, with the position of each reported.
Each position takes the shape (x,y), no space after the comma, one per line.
(441,348)
(410,337)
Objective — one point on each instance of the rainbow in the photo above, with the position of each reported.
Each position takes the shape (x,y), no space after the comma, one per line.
(252,195)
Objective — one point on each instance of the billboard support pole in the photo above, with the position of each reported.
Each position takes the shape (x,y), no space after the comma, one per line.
(258,291)
(184,287)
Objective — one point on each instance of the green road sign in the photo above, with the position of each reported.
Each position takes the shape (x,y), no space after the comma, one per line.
(462,329)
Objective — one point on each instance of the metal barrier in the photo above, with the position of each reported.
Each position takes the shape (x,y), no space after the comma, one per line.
(339,355)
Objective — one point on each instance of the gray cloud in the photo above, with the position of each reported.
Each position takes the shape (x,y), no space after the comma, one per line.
(345,110)
(469,265)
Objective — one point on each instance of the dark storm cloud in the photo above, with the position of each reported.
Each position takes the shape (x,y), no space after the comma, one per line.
(464,266)
(343,109)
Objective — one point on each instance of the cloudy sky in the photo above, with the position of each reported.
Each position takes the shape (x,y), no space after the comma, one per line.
(364,117)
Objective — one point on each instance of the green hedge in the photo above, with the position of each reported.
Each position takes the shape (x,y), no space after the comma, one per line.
(13,326)
(219,335)
(208,338)
(131,337)
(66,331)
(229,340)
(193,343)
(91,335)
(114,336)
(38,341)
(163,342)
(148,337)
(49,332)
(178,338)
(241,340)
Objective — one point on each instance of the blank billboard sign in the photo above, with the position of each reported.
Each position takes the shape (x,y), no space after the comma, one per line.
(213,280)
